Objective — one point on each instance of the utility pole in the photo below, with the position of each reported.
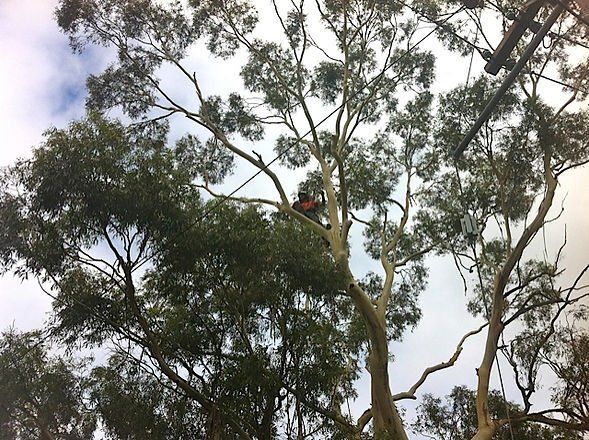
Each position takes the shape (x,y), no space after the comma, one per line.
(515,32)
(510,40)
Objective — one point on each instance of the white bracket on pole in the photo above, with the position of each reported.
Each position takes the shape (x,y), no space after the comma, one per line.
(469,226)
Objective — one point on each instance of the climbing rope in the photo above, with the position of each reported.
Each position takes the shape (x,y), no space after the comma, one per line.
(486,306)
(476,260)
(473,243)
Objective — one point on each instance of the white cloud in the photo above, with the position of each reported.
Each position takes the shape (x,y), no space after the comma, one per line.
(42,81)
(43,85)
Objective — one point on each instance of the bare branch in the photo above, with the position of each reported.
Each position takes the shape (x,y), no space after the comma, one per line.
(541,417)
(414,255)
(410,394)
(240,199)
(364,419)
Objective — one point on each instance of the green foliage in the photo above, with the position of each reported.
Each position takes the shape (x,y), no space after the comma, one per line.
(251,302)
(569,363)
(260,296)
(222,23)
(498,180)
(293,154)
(134,404)
(250,307)
(403,310)
(41,396)
(503,168)
(259,74)
(328,81)
(91,178)
(502,171)
(369,183)
(456,419)
(208,160)
(233,116)
(569,136)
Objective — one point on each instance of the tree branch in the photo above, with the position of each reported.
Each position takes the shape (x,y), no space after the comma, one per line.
(327,413)
(410,394)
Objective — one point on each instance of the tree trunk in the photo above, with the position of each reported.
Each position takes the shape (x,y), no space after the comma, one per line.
(385,417)
(45,434)
(485,425)
(214,426)
(266,427)
(485,433)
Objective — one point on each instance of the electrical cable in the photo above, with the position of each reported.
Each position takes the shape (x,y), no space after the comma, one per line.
(464,204)
(442,25)
(573,12)
(485,303)
(477,264)
(266,166)
(510,16)
(569,39)
(483,51)
(226,197)
(439,24)
(583,91)
(107,320)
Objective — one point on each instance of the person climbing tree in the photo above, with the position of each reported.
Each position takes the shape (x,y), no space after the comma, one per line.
(308,206)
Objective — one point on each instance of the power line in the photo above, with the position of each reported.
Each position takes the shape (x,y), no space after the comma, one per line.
(439,24)
(556,81)
(279,156)
(569,39)
(512,16)
(442,25)
(477,263)
(224,198)
(464,204)
(556,35)
(573,13)
(483,51)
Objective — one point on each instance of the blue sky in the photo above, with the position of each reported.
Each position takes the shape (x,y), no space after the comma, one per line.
(43,85)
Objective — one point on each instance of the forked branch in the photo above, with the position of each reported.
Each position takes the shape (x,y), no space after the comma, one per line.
(410,394)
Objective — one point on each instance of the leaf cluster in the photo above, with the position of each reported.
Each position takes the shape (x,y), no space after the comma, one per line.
(456,419)
(41,395)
